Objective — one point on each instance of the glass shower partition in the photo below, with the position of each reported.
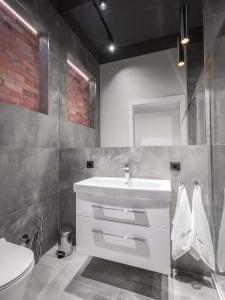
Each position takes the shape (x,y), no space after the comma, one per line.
(215,71)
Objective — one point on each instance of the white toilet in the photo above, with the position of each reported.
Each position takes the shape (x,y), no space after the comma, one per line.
(16,265)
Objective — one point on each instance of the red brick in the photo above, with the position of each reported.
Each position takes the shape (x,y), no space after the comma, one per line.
(78,98)
(19,74)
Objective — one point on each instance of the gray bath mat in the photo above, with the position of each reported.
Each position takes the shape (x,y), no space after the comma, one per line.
(101,279)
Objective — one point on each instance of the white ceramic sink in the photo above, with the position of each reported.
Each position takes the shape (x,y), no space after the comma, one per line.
(137,187)
(133,183)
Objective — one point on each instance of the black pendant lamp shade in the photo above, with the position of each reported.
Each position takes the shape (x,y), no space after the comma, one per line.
(184,24)
(180,53)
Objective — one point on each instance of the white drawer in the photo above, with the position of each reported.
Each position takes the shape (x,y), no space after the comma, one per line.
(139,246)
(144,213)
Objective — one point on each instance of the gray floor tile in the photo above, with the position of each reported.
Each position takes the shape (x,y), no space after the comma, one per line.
(91,291)
(55,279)
(125,295)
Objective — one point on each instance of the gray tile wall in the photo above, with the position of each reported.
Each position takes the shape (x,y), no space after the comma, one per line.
(145,162)
(29,141)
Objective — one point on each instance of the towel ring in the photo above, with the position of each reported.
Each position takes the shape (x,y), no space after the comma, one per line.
(181,183)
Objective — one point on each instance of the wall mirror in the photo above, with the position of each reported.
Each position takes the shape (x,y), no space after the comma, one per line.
(150,101)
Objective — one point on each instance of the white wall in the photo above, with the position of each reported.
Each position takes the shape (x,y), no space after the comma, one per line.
(143,77)
(157,128)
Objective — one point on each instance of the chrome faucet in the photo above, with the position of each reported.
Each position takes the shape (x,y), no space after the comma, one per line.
(126,168)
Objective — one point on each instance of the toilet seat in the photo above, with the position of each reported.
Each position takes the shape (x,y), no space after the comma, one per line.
(15,263)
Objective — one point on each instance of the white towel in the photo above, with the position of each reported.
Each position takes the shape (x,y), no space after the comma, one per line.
(181,231)
(221,243)
(181,191)
(201,241)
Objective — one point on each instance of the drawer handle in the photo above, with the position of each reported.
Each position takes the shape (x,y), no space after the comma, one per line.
(120,209)
(119,236)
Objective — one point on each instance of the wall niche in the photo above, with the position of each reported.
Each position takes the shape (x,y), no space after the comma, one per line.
(23,62)
(81,93)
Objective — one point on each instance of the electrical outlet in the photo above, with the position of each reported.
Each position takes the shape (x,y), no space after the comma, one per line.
(175,166)
(90,164)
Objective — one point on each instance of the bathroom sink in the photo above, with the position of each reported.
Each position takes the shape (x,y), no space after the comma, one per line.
(137,187)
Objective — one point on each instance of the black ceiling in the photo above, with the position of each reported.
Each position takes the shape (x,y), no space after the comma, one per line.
(137,26)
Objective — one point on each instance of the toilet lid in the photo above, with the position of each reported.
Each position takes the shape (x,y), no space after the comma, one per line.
(14,261)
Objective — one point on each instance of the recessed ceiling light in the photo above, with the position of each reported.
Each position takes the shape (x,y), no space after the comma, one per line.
(112,47)
(103,5)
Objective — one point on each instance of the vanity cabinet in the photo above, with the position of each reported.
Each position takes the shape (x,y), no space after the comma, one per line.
(114,223)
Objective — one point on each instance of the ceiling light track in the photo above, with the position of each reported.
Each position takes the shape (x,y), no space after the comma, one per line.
(111,47)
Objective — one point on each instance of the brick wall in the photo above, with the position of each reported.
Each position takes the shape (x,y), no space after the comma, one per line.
(78,98)
(19,57)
